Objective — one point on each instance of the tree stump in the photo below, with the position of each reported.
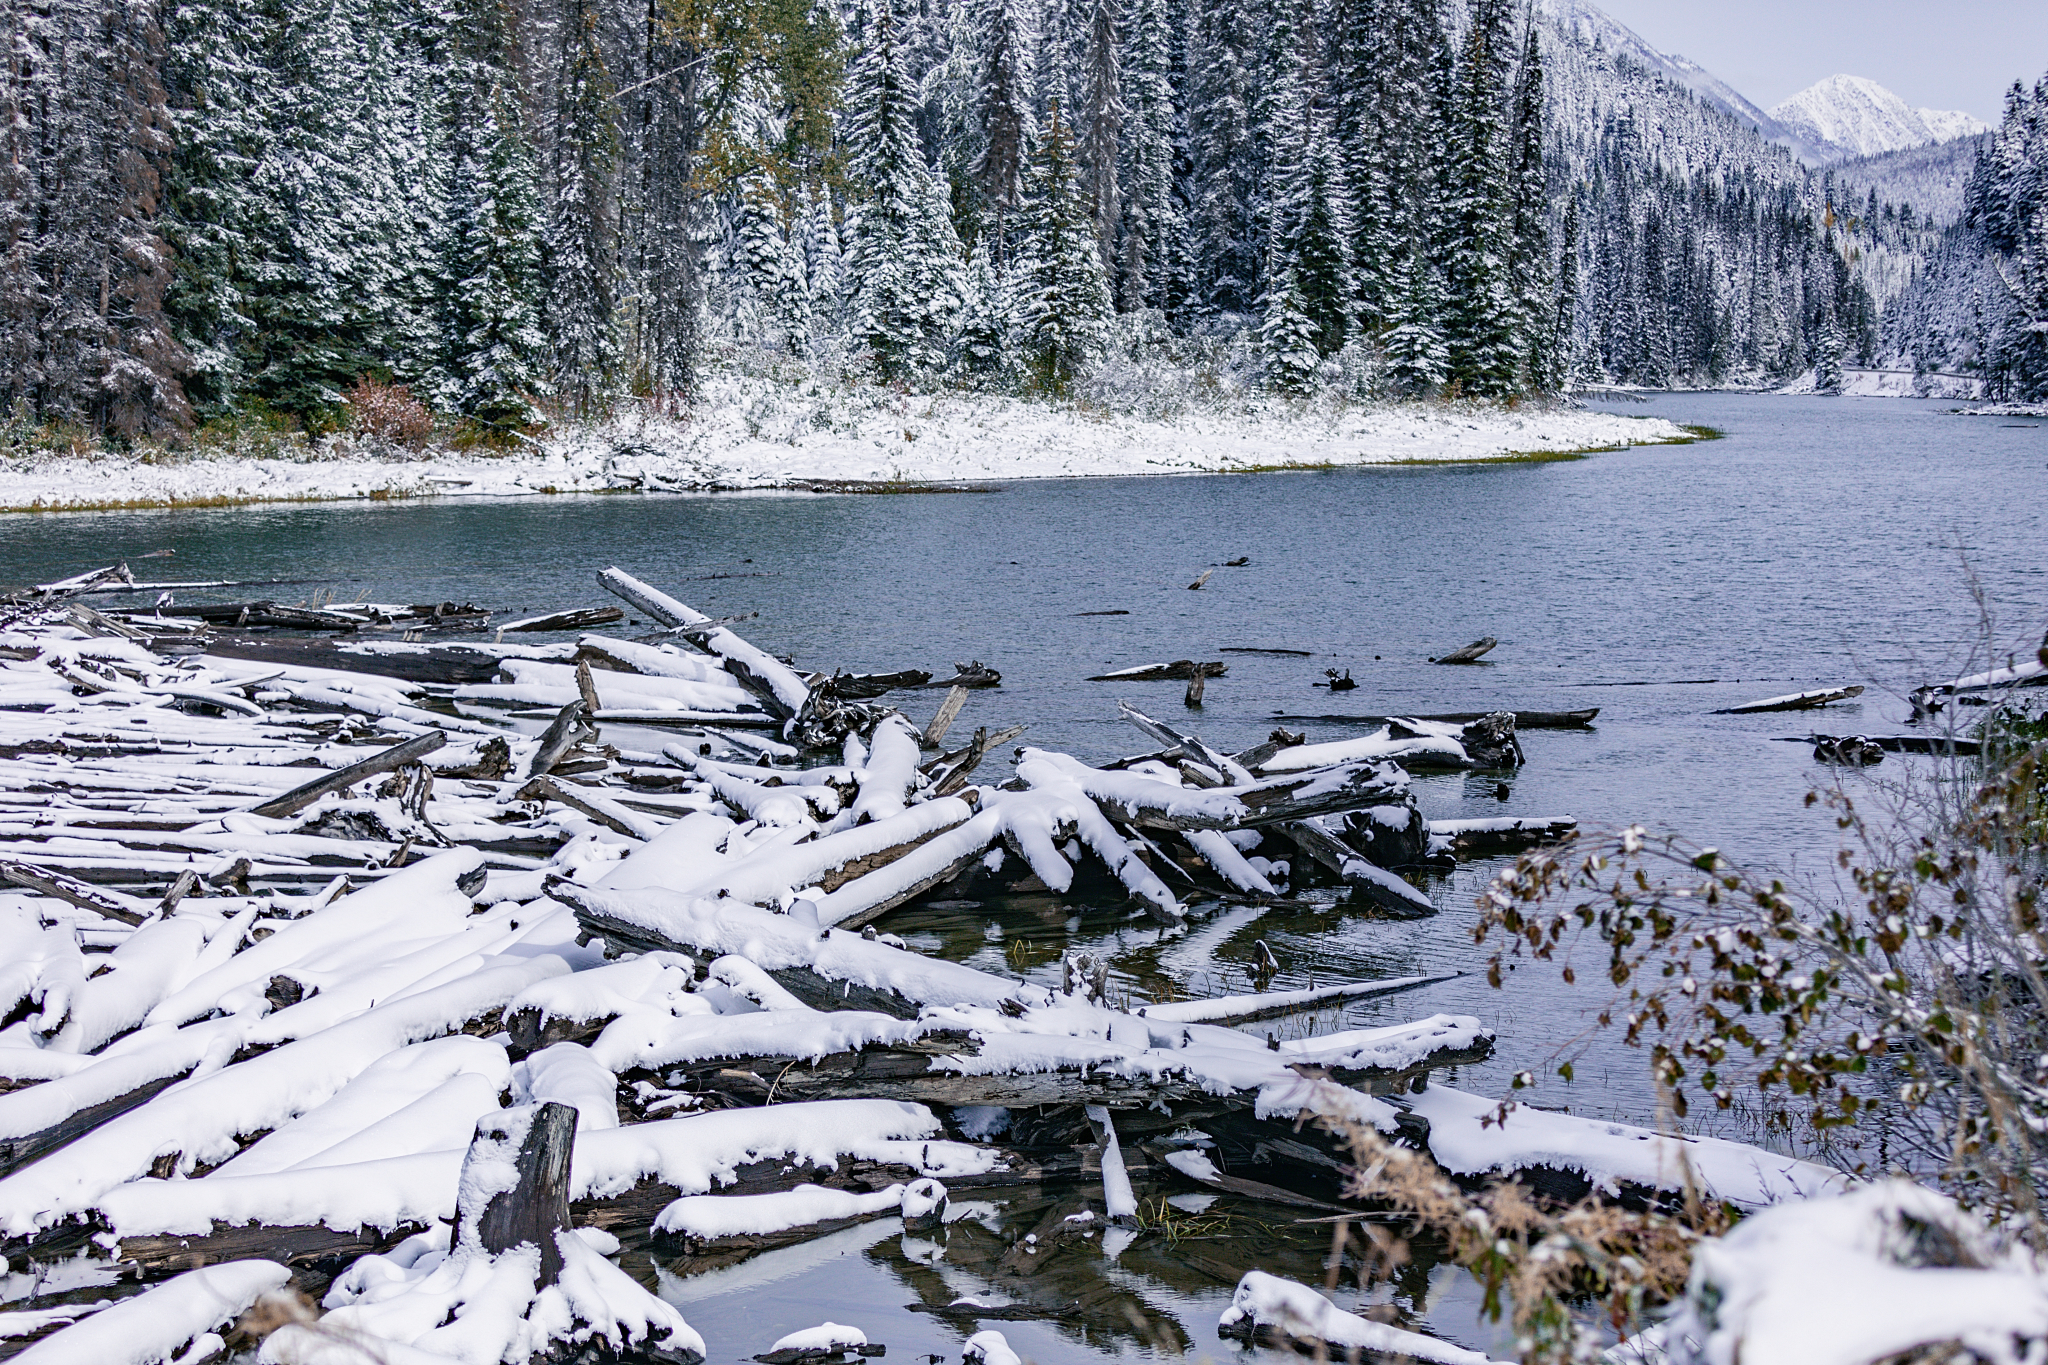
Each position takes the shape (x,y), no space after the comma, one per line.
(515,1183)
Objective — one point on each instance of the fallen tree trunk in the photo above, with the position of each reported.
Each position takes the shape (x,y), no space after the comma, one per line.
(582,618)
(1794,701)
(397,756)
(48,883)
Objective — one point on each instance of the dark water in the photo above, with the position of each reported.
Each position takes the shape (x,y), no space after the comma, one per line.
(1821,542)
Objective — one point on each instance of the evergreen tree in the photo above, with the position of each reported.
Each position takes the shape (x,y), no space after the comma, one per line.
(1562,352)
(1103,120)
(1829,350)
(904,270)
(1480,327)
(987,322)
(215,53)
(1069,307)
(1222,213)
(1418,361)
(324,249)
(493,352)
(1529,237)
(582,234)
(1153,241)
(1307,223)
(1288,334)
(1008,126)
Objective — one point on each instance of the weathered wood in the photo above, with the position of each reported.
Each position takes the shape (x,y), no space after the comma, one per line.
(1940,746)
(949,711)
(1485,838)
(778,686)
(1198,683)
(571,727)
(16,1153)
(548,789)
(866,686)
(454,665)
(961,763)
(397,756)
(316,1248)
(1117,1200)
(1796,701)
(1177,671)
(1470,654)
(971,674)
(45,882)
(580,618)
(586,687)
(537,1141)
(1384,889)
(185,885)
(1524,720)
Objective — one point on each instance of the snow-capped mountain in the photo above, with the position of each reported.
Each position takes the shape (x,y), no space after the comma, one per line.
(1605,34)
(1849,116)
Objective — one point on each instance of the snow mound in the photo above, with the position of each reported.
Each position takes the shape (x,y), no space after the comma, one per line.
(1868,1276)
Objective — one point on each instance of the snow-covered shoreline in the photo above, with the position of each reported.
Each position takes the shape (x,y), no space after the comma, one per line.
(777,437)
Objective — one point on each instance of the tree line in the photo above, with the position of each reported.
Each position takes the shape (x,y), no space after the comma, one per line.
(212,209)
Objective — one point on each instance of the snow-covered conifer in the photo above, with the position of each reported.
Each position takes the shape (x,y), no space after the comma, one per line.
(904,267)
(1069,307)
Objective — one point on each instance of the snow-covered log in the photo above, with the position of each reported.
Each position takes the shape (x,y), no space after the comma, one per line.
(1268,1309)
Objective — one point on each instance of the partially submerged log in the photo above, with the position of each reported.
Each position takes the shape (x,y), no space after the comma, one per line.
(1470,654)
(1177,671)
(1489,838)
(1793,701)
(1381,888)
(581,618)
(1524,720)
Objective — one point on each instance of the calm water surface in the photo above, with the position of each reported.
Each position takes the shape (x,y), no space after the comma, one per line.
(1821,542)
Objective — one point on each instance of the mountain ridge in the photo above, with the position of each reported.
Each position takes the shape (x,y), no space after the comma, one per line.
(1854,116)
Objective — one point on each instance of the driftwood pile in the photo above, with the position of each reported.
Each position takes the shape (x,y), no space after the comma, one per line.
(312,961)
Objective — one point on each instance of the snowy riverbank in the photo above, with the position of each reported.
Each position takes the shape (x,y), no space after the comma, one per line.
(753,435)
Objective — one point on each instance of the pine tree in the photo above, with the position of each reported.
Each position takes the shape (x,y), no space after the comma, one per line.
(1562,352)
(1006,120)
(1829,350)
(987,324)
(1418,361)
(1103,120)
(492,360)
(1287,334)
(214,67)
(323,253)
(1307,223)
(1529,208)
(1222,215)
(659,251)
(582,235)
(1477,249)
(1153,233)
(1069,308)
(904,268)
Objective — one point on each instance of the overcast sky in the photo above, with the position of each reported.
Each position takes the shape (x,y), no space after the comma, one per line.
(1936,54)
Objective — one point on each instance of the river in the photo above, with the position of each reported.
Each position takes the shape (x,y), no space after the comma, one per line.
(1819,542)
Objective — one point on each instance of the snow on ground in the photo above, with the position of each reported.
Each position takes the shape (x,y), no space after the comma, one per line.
(753,433)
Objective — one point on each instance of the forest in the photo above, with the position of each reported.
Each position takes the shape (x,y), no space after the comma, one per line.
(501,214)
